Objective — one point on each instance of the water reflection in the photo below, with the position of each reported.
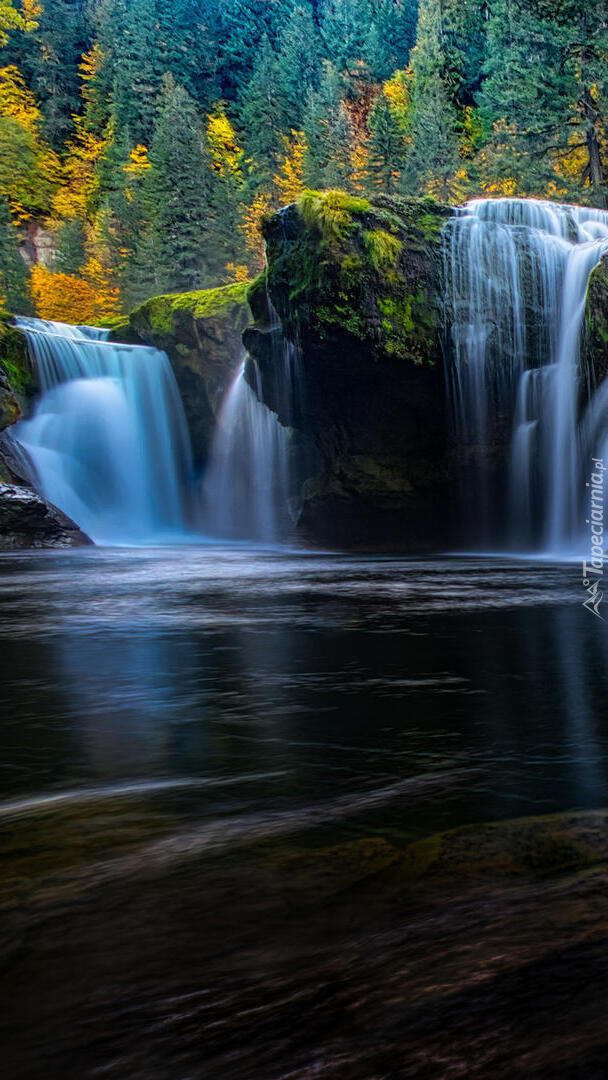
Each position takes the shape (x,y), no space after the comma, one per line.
(332,674)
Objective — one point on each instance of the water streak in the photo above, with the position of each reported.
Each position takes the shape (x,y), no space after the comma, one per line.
(246,488)
(516,276)
(108,439)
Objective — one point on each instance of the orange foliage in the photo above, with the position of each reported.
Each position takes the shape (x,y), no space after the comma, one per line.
(73,299)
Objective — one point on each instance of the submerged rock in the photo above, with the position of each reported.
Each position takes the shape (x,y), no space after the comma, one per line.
(201,332)
(27,520)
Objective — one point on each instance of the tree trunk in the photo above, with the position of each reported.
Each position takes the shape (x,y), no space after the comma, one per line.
(595,168)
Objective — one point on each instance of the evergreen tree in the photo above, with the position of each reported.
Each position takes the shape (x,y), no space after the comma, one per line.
(328,133)
(388,144)
(433,162)
(70,241)
(545,88)
(13,276)
(179,190)
(262,116)
(391,36)
(128,37)
(297,71)
(344,26)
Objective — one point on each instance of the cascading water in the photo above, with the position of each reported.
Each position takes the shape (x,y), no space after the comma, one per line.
(246,488)
(108,440)
(516,275)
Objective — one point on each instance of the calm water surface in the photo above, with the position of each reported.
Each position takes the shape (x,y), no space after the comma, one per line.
(236,680)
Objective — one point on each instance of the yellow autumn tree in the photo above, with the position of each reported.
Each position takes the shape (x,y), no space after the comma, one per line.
(67,298)
(29,168)
(252,215)
(79,180)
(289,179)
(226,154)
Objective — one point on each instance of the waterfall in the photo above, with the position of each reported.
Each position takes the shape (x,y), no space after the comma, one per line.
(246,487)
(108,440)
(515,279)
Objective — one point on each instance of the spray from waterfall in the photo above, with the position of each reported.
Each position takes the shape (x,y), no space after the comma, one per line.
(516,276)
(246,488)
(108,439)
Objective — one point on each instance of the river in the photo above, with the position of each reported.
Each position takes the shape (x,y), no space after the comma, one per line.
(246,707)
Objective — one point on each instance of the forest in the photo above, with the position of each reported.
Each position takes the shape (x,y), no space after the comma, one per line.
(143,141)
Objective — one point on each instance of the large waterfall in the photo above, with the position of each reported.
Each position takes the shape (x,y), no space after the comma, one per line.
(516,276)
(108,440)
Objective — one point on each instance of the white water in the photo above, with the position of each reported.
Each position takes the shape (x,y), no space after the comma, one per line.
(108,439)
(516,275)
(246,486)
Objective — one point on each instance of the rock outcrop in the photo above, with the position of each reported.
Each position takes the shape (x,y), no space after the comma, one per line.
(201,332)
(356,287)
(596,320)
(29,521)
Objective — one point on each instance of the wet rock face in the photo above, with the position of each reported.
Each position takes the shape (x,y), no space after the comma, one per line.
(29,521)
(595,344)
(356,287)
(201,332)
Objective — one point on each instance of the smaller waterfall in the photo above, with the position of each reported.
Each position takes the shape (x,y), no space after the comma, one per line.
(108,440)
(247,484)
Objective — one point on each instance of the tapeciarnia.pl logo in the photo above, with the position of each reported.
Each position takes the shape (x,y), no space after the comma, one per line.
(593,571)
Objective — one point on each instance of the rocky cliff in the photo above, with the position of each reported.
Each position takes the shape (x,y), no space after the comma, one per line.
(354,286)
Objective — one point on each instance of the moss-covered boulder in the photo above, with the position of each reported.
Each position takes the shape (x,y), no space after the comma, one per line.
(201,332)
(596,320)
(17,383)
(356,286)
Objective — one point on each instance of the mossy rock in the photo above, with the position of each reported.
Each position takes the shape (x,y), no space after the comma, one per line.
(17,381)
(596,321)
(366,267)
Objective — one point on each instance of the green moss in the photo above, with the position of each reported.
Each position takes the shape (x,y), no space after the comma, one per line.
(382,248)
(14,358)
(331,212)
(159,312)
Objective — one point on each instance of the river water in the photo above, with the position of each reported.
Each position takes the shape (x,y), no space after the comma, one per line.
(230,677)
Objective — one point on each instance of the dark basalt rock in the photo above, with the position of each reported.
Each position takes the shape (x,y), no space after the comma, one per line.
(356,287)
(29,521)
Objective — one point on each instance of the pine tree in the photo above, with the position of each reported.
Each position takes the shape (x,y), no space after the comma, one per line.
(297,71)
(70,239)
(344,27)
(179,189)
(262,117)
(328,133)
(433,164)
(545,88)
(391,36)
(388,143)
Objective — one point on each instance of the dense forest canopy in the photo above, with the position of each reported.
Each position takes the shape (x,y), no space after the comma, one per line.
(147,138)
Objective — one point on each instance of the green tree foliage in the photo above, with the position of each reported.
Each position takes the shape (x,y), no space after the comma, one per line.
(178,191)
(545,95)
(328,133)
(149,135)
(13,288)
(70,240)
